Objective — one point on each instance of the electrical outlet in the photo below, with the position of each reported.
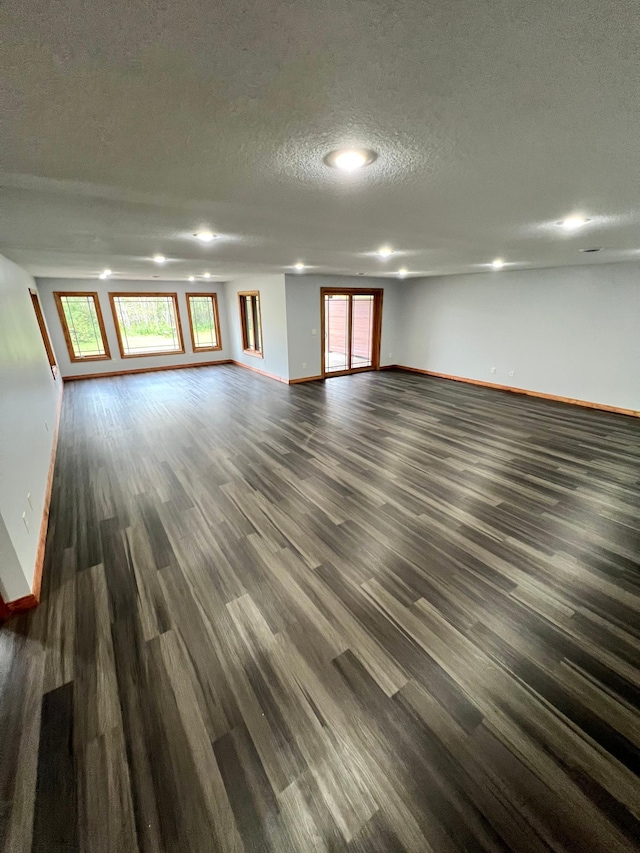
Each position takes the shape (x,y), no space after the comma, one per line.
(493,370)
(46,426)
(314,331)
(304,365)
(29,501)
(24,519)
(512,373)
(390,355)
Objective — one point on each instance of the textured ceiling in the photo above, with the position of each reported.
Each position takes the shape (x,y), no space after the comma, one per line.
(126,125)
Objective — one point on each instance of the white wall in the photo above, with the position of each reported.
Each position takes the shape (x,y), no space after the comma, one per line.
(29,398)
(572,332)
(273,310)
(47,286)
(304,315)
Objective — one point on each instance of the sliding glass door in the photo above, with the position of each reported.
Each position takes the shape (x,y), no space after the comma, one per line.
(351,330)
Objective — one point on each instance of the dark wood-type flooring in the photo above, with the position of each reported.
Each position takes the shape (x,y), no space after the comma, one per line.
(380,613)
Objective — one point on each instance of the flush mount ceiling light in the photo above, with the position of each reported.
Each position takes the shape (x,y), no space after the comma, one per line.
(159,259)
(207,275)
(350,159)
(105,274)
(402,272)
(192,278)
(205,236)
(572,223)
(385,252)
(497,264)
(299,266)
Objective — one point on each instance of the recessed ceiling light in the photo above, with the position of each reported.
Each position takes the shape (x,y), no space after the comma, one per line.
(385,251)
(192,278)
(159,259)
(299,266)
(572,223)
(350,159)
(402,272)
(107,272)
(205,236)
(207,275)
(497,264)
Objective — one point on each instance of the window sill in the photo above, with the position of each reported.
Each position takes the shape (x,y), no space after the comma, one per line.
(254,352)
(152,354)
(76,360)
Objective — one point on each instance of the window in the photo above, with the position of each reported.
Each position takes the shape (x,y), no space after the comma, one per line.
(147,323)
(82,324)
(43,331)
(251,323)
(203,321)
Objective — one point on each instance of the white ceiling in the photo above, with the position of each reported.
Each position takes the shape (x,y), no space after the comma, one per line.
(125,126)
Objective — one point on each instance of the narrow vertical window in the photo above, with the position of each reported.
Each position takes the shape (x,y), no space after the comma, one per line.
(251,323)
(81,320)
(43,331)
(204,321)
(147,323)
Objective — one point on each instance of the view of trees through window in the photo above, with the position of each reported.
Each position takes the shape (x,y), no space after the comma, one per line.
(203,316)
(82,325)
(147,323)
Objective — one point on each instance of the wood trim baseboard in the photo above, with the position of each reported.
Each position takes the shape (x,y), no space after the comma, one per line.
(44,525)
(584,403)
(306,379)
(146,370)
(19,605)
(261,372)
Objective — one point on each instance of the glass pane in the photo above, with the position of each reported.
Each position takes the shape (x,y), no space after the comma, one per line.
(203,322)
(336,332)
(147,324)
(82,324)
(248,310)
(256,317)
(361,330)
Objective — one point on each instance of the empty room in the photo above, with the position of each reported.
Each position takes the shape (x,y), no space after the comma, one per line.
(319,427)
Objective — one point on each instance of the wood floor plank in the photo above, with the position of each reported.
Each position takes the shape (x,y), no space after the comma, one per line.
(381,613)
(210,780)
(21,688)
(103,777)
(96,702)
(55,826)
(60,631)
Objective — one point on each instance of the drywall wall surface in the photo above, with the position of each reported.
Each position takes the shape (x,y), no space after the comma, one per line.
(47,287)
(29,397)
(572,331)
(304,318)
(13,581)
(273,310)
